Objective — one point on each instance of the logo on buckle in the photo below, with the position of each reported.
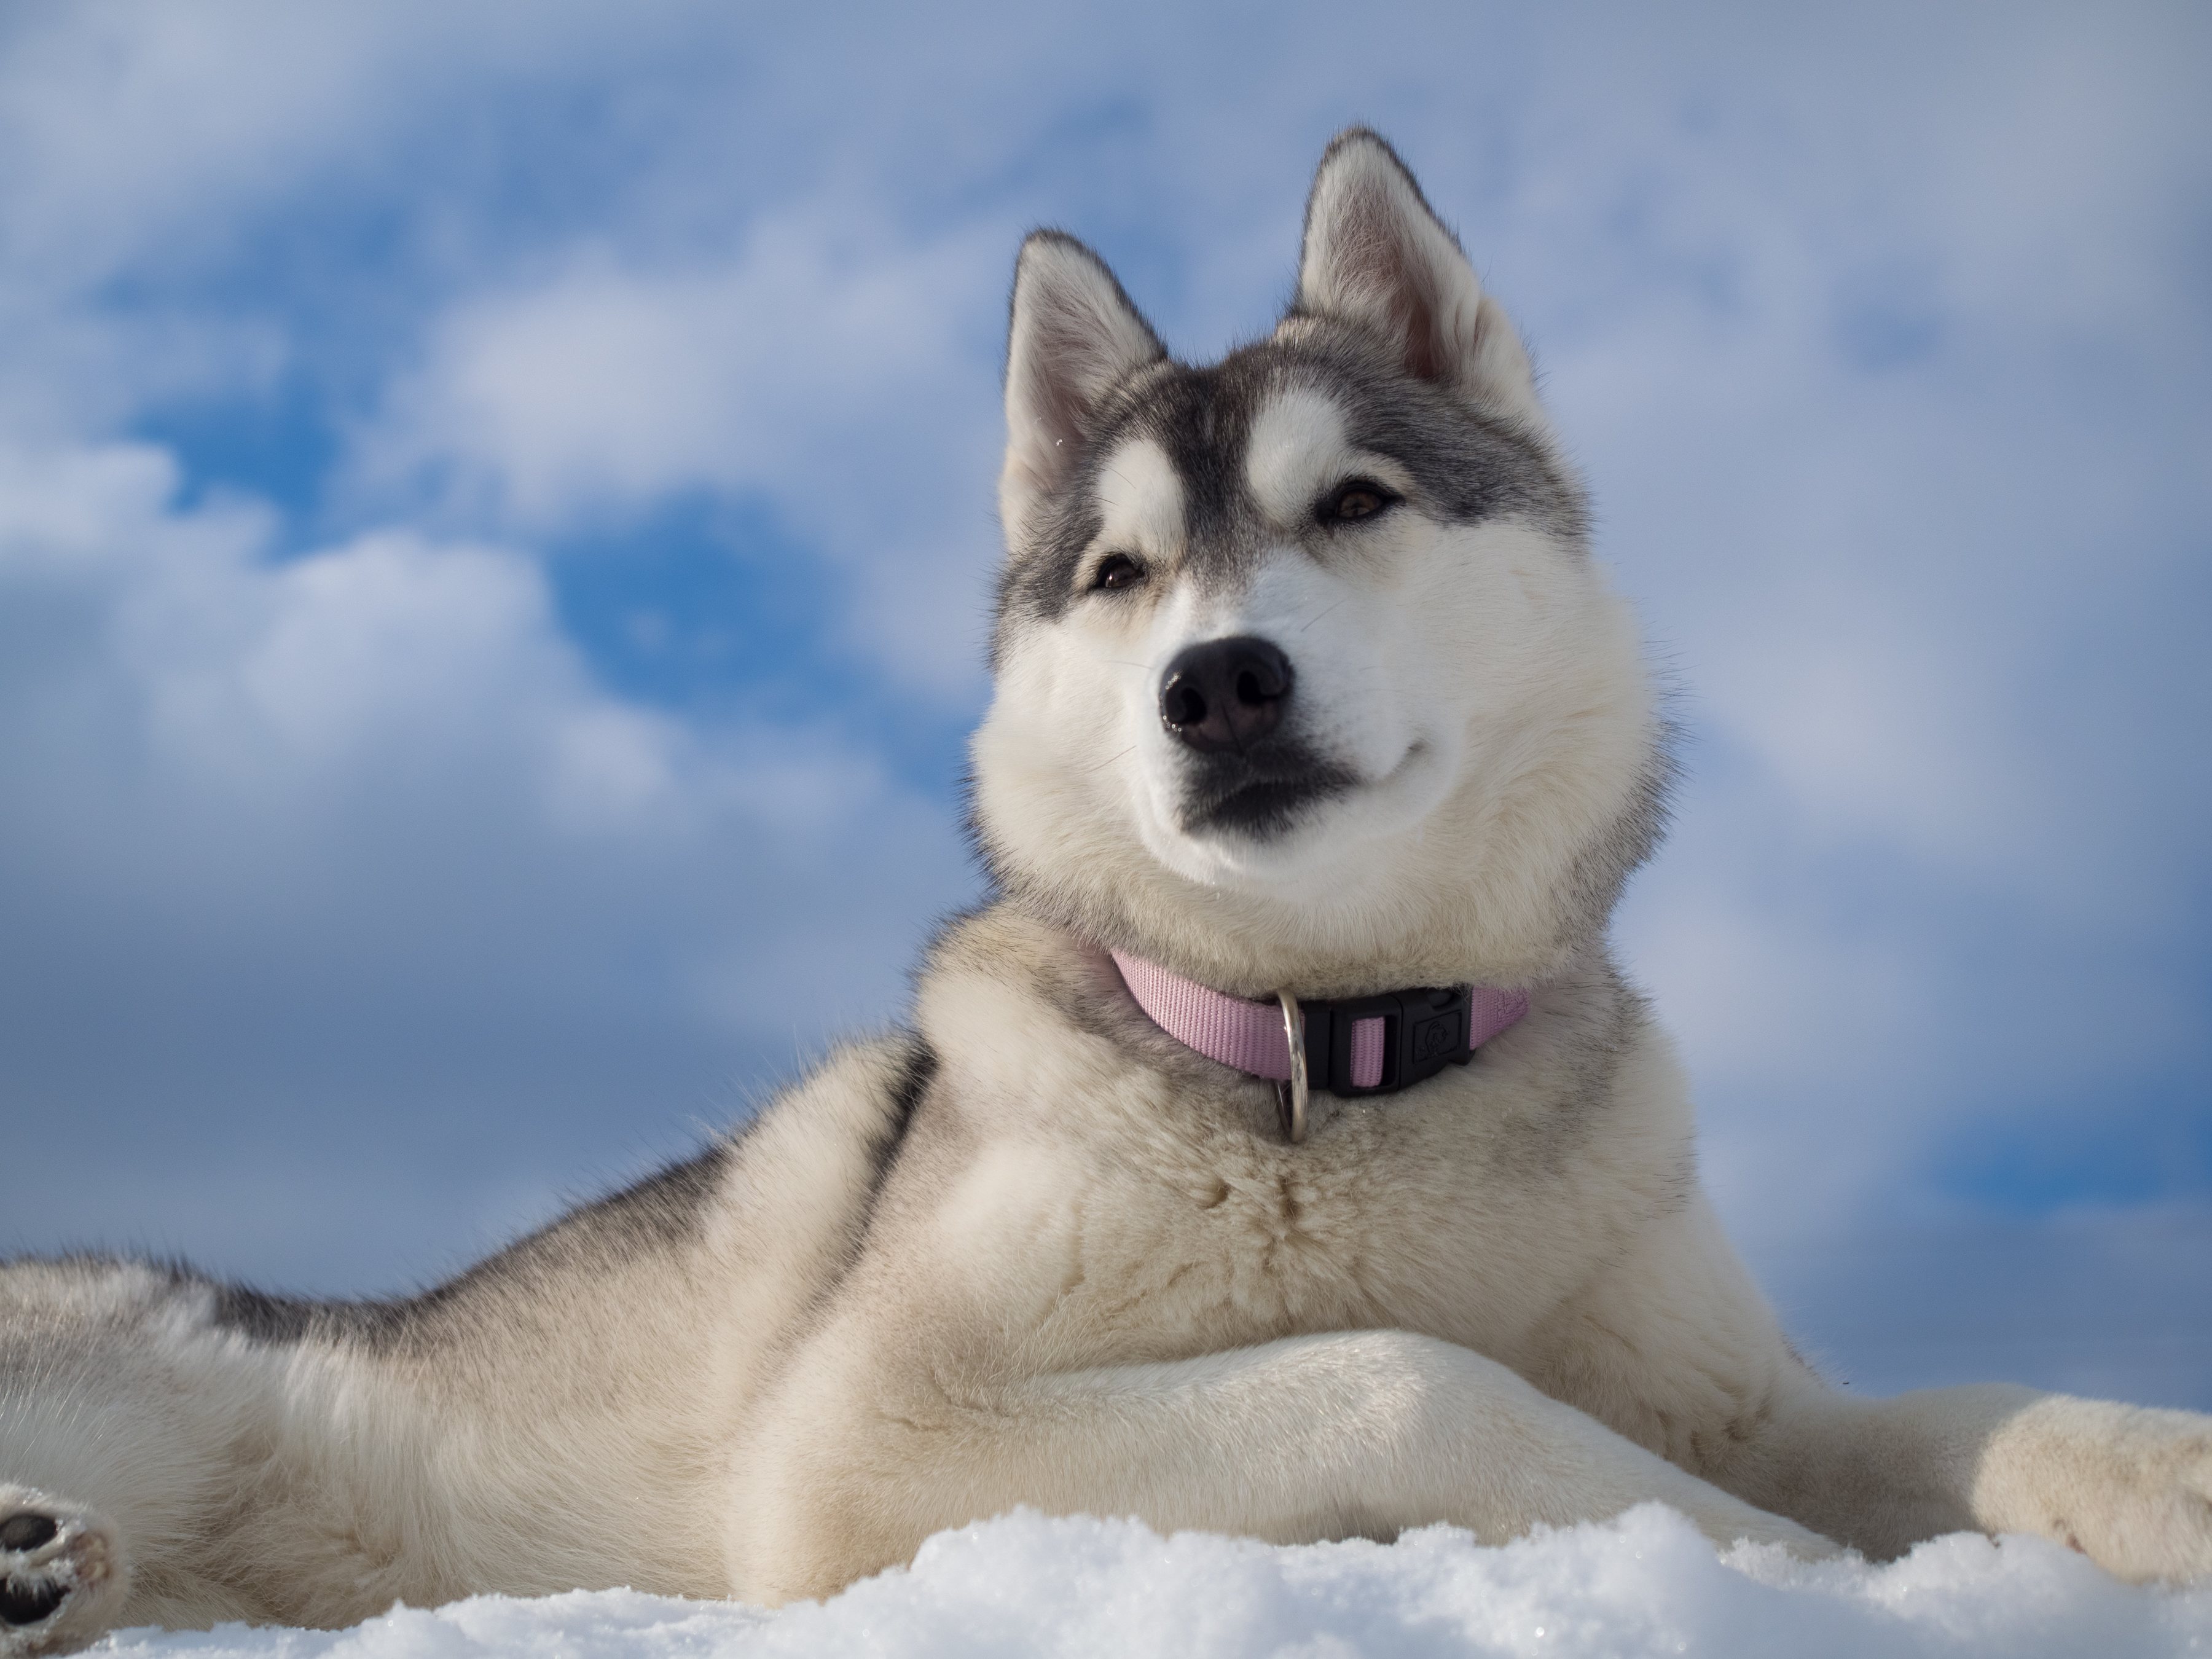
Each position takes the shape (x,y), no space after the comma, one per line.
(1434,1039)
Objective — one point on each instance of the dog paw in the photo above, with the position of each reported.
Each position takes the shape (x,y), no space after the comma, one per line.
(60,1575)
(2129,1487)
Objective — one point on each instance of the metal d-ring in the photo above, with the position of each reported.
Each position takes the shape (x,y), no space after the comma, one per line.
(1291,1096)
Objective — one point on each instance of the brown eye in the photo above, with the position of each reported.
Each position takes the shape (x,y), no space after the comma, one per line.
(1355,500)
(1117,570)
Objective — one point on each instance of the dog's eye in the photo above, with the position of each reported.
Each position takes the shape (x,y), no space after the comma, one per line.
(1358,499)
(1117,570)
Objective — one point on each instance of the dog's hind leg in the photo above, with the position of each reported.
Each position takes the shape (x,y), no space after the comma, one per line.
(122,1408)
(63,1579)
(1351,1434)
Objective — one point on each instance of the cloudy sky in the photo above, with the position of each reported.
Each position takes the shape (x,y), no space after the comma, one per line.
(496,506)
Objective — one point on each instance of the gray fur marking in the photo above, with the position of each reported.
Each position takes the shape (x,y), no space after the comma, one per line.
(1467,463)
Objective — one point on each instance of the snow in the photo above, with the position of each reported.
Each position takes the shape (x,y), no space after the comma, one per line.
(1027,1584)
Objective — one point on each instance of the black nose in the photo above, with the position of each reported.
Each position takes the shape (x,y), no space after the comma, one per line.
(1225,693)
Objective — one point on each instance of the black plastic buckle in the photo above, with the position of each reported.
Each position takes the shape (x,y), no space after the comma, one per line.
(1423,1032)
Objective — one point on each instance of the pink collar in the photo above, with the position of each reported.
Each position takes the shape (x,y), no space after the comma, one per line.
(1353,1045)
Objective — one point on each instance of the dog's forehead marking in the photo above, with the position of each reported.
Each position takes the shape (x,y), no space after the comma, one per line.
(1139,495)
(1199,417)
(1297,444)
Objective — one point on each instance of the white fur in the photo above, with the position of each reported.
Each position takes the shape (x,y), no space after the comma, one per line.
(1484,665)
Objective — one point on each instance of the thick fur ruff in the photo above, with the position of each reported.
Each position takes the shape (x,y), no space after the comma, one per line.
(1032,1251)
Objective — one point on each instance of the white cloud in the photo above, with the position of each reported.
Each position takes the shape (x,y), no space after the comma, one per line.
(608,385)
(827,378)
(358,823)
(351,672)
(1889,369)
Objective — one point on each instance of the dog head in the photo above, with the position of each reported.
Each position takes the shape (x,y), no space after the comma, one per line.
(1305,677)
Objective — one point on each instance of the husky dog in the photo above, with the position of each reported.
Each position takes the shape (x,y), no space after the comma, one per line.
(1280,1152)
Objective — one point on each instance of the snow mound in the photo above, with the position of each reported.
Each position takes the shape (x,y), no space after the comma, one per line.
(1025,1584)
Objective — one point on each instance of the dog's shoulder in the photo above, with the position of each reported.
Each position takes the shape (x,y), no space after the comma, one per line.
(1074,1177)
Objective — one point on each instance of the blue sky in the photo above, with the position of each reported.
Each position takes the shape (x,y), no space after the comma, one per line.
(495,512)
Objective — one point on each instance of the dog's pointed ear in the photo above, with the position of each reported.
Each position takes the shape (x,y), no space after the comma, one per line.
(1377,254)
(1073,337)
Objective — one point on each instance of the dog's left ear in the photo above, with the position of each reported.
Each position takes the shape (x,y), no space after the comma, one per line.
(1376,254)
(1072,338)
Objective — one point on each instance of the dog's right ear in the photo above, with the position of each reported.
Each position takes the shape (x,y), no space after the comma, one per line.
(1376,254)
(1074,336)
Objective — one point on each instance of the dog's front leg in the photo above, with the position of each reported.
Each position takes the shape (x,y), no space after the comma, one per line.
(1307,1438)
(2129,1487)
